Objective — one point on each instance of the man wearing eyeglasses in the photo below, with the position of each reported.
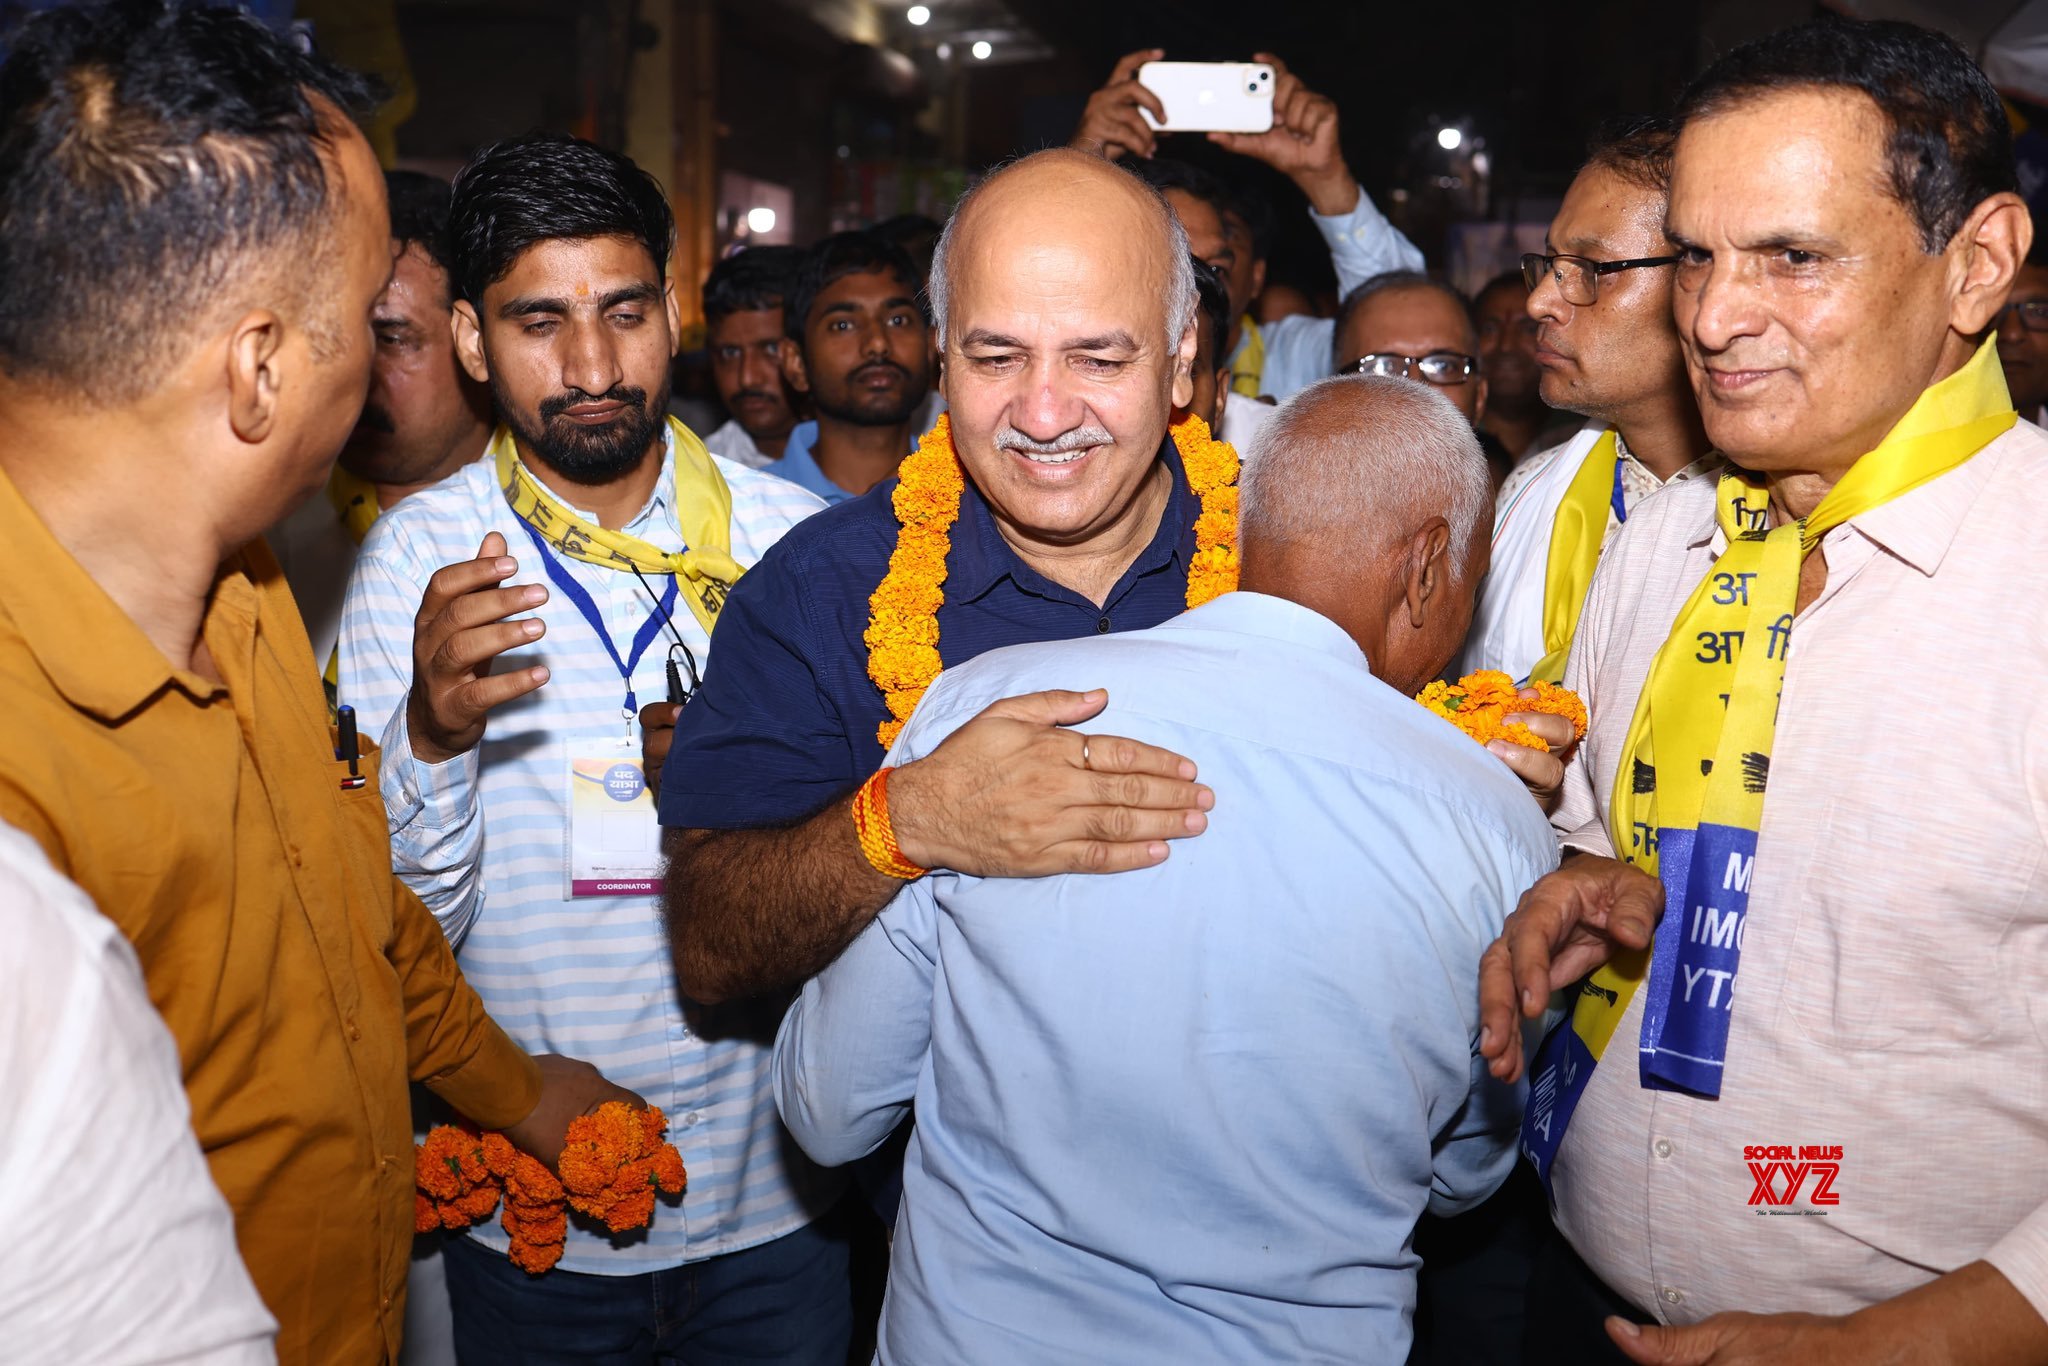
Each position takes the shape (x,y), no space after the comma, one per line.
(1601,298)
(2023,339)
(1406,325)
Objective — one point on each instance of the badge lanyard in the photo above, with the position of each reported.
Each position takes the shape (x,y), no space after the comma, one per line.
(579,596)
(1620,503)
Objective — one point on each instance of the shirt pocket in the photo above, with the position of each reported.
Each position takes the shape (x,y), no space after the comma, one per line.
(1897,935)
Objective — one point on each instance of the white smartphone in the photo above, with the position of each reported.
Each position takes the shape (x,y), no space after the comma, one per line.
(1210,97)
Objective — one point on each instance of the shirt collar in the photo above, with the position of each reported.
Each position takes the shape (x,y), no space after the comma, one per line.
(1917,527)
(1280,619)
(91,650)
(661,500)
(981,558)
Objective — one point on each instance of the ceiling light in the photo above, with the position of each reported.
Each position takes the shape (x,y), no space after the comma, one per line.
(982,50)
(918,16)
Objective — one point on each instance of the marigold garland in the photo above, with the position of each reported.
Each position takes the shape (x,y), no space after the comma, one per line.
(903,622)
(1480,703)
(613,1165)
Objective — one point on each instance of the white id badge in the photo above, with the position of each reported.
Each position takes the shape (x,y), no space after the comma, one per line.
(614,833)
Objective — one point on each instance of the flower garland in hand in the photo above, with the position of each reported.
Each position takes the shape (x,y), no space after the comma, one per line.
(1480,703)
(903,622)
(613,1165)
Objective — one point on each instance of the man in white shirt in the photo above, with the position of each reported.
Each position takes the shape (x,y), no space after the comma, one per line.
(119,1246)
(1271,359)
(1838,1017)
(1606,348)
(743,333)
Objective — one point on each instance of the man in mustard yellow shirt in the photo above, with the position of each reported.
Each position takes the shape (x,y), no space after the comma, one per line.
(192,236)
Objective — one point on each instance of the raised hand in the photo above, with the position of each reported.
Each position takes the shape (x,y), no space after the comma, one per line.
(1111,125)
(1302,144)
(459,633)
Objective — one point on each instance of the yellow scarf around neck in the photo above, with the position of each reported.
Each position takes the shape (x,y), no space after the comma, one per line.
(703,505)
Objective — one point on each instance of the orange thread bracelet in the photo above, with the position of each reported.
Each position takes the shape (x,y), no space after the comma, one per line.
(877,839)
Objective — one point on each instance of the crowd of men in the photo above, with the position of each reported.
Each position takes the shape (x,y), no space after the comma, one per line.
(987,815)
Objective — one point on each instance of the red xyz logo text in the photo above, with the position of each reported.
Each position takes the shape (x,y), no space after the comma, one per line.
(1782,1173)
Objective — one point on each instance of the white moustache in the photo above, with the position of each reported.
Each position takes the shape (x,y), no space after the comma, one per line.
(1081,438)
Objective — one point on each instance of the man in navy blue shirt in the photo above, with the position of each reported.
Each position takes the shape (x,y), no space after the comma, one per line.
(1066,309)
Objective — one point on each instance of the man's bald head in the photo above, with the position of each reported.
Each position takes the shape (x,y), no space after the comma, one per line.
(1063,199)
(1364,498)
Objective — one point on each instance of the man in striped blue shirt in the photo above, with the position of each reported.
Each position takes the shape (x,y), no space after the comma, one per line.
(532,840)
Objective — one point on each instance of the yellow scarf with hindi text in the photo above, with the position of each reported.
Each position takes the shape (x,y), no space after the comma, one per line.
(1698,748)
(706,571)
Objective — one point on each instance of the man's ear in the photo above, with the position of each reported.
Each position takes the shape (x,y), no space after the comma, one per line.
(1184,361)
(1258,280)
(675,316)
(1479,408)
(469,341)
(1222,398)
(1987,253)
(254,381)
(1428,569)
(794,372)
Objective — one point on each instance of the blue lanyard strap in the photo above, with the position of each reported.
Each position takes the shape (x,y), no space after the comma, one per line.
(576,594)
(1620,503)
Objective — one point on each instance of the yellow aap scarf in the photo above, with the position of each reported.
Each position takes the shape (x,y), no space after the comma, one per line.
(355,503)
(1689,791)
(1248,368)
(703,502)
(1575,539)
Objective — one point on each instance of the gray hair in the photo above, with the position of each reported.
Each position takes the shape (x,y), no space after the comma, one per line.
(1397,452)
(1180,284)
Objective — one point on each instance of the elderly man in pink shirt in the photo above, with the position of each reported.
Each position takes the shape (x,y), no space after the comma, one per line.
(1798,1112)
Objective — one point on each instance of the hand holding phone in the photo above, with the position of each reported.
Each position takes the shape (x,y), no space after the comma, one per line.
(1209,97)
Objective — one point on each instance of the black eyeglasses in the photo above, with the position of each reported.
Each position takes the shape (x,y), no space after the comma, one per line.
(2033,314)
(1578,277)
(1438,367)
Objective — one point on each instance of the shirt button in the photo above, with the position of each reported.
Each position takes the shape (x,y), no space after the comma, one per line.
(690,1120)
(386,1304)
(1662,1147)
(1672,1295)
(355,1035)
(1102,626)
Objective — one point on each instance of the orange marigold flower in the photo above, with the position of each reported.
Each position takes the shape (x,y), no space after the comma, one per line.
(478,1203)
(534,1258)
(1480,703)
(631,1211)
(668,1170)
(425,1216)
(548,1225)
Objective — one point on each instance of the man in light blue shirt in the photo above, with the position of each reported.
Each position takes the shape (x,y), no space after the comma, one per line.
(1193,1112)
(860,347)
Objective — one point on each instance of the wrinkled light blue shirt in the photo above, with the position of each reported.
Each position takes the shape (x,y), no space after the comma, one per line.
(1189,1113)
